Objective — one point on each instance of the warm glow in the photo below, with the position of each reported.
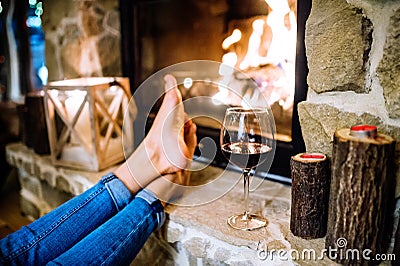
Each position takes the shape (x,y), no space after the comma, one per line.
(79,82)
(113,88)
(76,98)
(75,94)
(270,58)
(234,38)
(279,6)
(228,63)
(283,44)
(187,83)
(229,59)
(221,96)
(252,58)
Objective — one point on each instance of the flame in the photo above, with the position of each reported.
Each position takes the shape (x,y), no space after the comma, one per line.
(226,70)
(228,63)
(283,44)
(252,57)
(281,54)
(233,38)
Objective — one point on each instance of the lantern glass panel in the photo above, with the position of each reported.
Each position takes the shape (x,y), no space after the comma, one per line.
(86,121)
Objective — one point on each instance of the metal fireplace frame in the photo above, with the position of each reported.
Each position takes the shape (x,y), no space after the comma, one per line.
(130,49)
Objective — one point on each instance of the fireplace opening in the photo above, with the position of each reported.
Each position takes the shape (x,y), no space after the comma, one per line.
(264,39)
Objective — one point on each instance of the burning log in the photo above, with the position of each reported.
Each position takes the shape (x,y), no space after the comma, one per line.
(272,83)
(310,193)
(362,194)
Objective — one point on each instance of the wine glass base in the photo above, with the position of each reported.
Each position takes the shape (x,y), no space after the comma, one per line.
(247,222)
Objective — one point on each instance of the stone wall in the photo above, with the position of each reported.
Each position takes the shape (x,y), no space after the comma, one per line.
(82,38)
(353,56)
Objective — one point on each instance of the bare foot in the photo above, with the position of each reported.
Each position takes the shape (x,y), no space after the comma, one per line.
(165,141)
(171,186)
(167,148)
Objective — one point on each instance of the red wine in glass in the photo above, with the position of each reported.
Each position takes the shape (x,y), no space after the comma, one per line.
(247,138)
(246,155)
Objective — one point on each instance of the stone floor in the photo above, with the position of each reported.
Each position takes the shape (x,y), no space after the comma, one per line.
(198,232)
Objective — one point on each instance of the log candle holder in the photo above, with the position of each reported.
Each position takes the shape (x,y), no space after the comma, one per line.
(361,198)
(310,193)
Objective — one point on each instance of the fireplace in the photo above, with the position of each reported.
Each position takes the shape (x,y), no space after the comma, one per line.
(157,34)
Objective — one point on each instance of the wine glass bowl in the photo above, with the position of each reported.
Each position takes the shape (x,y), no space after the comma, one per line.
(247,141)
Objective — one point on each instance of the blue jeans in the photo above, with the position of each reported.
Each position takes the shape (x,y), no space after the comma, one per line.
(104,225)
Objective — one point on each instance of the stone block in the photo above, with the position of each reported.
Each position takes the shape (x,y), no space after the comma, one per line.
(389,67)
(48,176)
(62,183)
(110,60)
(222,254)
(174,234)
(112,21)
(31,184)
(155,252)
(319,121)
(59,10)
(91,18)
(70,55)
(338,38)
(197,247)
(29,209)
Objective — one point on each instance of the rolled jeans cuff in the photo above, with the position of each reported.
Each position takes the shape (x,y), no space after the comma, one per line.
(119,193)
(155,204)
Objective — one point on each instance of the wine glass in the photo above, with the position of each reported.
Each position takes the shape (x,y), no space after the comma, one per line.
(247,140)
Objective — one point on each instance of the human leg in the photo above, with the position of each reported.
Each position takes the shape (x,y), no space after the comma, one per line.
(117,241)
(57,231)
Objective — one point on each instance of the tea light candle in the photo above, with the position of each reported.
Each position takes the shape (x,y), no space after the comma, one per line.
(364,131)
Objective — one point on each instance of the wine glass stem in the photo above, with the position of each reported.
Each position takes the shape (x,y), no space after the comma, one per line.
(246,177)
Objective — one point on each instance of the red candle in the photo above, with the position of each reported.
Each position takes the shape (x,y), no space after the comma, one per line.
(364,131)
(312,156)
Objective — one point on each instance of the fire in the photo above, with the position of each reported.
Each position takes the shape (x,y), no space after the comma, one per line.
(226,70)
(253,58)
(273,70)
(234,38)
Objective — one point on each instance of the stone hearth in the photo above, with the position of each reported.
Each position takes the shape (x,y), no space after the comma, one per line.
(191,235)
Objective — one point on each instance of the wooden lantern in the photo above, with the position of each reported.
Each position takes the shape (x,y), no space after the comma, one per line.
(89,121)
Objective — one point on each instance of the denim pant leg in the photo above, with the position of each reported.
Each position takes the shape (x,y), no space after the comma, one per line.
(118,241)
(60,229)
